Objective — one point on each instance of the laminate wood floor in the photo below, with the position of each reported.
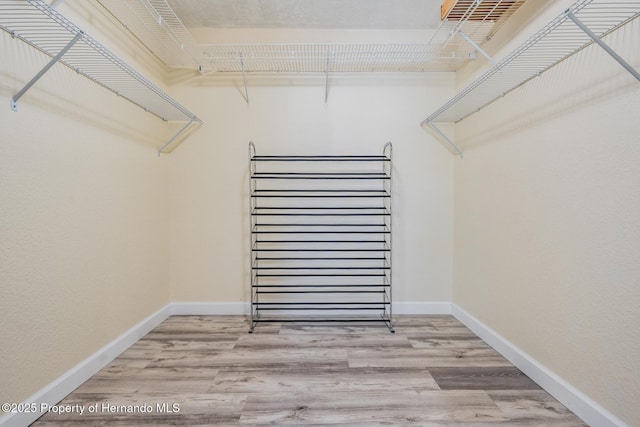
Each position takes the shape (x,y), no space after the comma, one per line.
(207,370)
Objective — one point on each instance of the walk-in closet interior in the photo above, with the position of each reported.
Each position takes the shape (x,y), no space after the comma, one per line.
(357,212)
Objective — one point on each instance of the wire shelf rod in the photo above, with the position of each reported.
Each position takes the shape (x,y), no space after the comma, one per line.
(320,258)
(321,268)
(321,241)
(320,159)
(321,292)
(321,232)
(324,196)
(326,214)
(332,308)
(319,250)
(336,192)
(325,303)
(316,225)
(378,285)
(321,207)
(323,320)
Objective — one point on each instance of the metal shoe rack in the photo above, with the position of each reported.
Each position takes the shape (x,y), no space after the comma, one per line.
(320,238)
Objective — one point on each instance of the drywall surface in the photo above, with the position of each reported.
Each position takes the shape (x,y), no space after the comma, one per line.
(209,174)
(546,230)
(83,223)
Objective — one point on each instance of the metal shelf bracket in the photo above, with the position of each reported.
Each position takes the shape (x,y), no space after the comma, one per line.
(176,135)
(477,47)
(326,81)
(448,140)
(244,79)
(603,45)
(54,60)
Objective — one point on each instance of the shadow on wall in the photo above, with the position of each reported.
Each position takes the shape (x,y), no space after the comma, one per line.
(68,95)
(104,118)
(589,77)
(553,108)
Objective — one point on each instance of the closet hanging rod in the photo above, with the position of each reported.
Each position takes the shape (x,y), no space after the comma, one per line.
(47,30)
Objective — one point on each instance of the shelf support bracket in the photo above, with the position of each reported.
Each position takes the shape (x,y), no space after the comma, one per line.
(326,80)
(244,79)
(603,45)
(445,137)
(16,97)
(173,138)
(477,47)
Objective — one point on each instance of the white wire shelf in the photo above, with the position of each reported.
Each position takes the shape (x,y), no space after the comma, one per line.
(447,50)
(558,40)
(155,23)
(42,27)
(321,58)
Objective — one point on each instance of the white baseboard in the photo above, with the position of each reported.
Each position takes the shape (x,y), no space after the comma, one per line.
(579,403)
(73,378)
(421,308)
(243,308)
(210,308)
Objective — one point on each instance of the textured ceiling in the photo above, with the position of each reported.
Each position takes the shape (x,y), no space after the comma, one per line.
(324,14)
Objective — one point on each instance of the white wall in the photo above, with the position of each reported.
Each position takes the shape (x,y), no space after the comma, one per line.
(95,227)
(98,233)
(83,219)
(546,230)
(209,181)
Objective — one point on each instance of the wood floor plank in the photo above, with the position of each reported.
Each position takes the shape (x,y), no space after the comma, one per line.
(426,358)
(123,380)
(534,408)
(183,372)
(211,324)
(450,342)
(320,340)
(485,378)
(401,408)
(432,372)
(323,380)
(259,358)
(183,343)
(461,406)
